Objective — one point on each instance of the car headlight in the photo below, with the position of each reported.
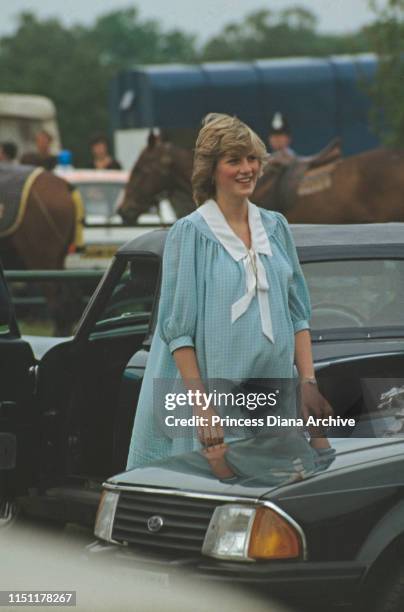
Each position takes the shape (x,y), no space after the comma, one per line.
(105,515)
(247,533)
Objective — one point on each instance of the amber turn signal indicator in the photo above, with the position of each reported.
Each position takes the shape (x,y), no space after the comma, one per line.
(272,537)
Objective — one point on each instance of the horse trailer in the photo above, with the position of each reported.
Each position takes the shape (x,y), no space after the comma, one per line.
(322,97)
(22,116)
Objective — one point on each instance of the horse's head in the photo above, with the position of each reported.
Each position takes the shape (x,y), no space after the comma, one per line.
(151,175)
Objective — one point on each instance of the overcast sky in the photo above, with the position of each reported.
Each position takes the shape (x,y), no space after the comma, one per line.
(202,17)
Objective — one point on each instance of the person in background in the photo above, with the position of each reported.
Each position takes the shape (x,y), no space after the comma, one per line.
(280,139)
(43,155)
(8,152)
(102,159)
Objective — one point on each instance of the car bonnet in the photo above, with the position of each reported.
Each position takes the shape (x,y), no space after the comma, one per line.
(257,474)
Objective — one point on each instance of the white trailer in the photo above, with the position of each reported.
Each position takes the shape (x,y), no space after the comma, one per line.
(22,116)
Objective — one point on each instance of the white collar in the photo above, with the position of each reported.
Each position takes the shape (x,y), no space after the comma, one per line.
(255,275)
(217,222)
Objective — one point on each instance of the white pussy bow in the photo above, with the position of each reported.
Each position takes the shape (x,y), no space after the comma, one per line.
(255,275)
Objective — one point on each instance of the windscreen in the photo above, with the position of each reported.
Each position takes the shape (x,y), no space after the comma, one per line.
(101,199)
(356,293)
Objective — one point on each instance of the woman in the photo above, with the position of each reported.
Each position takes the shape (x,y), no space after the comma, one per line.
(234,304)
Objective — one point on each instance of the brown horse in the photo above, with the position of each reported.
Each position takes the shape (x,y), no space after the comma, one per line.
(365,188)
(42,239)
(161,170)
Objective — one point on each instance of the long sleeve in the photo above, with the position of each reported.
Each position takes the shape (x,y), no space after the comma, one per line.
(298,296)
(178,301)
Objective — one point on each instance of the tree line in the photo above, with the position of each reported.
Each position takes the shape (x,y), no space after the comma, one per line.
(74,64)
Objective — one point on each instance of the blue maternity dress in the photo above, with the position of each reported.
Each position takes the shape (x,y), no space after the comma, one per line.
(239,309)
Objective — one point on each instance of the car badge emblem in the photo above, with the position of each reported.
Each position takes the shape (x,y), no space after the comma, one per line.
(155,523)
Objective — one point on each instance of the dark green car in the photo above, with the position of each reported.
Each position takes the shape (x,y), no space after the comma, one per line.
(296,523)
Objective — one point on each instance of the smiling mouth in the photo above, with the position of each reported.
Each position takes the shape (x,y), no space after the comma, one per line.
(245,180)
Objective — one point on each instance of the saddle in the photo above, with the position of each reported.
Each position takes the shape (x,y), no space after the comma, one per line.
(306,175)
(329,154)
(15,184)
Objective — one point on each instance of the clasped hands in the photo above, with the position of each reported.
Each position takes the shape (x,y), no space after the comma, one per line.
(209,434)
(211,437)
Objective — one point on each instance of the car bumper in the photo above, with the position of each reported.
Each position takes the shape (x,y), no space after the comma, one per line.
(333,582)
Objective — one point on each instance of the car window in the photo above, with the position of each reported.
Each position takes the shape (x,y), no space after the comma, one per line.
(356,293)
(131,301)
(50,302)
(101,199)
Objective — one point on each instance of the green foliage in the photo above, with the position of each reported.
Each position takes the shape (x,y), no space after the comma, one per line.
(291,32)
(387,36)
(73,65)
(44,57)
(123,41)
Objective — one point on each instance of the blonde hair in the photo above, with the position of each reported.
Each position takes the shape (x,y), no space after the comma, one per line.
(220,135)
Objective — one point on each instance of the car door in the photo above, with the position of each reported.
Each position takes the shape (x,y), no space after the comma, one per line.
(18,424)
(78,382)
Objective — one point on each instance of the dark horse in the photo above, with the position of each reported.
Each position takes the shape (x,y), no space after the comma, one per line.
(365,188)
(161,170)
(42,239)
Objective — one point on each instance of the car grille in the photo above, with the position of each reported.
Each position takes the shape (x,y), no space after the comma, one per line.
(186,520)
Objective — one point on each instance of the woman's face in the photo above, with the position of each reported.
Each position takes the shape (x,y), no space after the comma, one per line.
(236,175)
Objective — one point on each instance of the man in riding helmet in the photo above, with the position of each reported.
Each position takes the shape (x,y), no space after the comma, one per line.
(279,139)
